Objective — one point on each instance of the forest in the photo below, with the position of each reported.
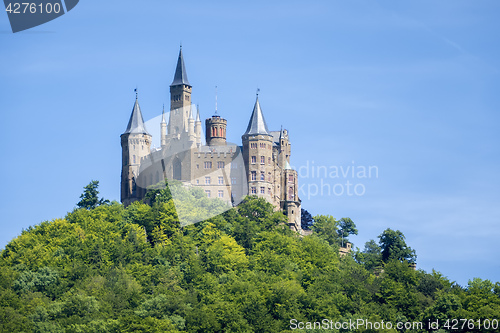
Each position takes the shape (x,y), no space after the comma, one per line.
(106,268)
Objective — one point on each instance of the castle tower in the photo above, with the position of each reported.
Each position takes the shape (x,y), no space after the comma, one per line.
(180,100)
(290,194)
(257,155)
(215,131)
(284,149)
(136,144)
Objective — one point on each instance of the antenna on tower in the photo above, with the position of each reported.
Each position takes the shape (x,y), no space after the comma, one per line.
(215,100)
(136,90)
(257,93)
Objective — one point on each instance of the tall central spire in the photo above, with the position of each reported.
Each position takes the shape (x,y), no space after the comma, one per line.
(180,76)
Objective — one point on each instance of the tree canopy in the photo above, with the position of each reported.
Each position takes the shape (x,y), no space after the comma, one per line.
(393,246)
(89,198)
(137,269)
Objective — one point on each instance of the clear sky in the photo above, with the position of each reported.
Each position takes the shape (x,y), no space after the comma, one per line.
(410,88)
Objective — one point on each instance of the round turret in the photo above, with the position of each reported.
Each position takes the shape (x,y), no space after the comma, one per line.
(216,131)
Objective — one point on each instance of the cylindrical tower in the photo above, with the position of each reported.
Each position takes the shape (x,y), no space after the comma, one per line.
(216,131)
(257,155)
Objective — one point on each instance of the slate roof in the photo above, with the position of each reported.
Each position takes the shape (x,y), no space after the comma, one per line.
(180,76)
(257,123)
(136,122)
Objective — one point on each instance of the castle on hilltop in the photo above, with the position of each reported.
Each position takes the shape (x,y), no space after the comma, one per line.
(261,166)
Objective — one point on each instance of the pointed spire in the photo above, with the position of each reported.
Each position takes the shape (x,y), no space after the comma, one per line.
(198,114)
(136,122)
(257,123)
(180,76)
(163,115)
(191,113)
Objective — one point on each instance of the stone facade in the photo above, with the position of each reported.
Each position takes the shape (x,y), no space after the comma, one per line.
(261,166)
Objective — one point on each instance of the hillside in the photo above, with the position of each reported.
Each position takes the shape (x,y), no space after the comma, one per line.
(134,269)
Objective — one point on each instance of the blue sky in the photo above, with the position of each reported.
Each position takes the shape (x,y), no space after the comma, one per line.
(410,87)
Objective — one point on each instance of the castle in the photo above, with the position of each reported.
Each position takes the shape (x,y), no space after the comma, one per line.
(261,166)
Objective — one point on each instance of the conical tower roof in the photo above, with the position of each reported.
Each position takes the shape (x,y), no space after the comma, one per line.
(198,113)
(257,123)
(136,122)
(180,76)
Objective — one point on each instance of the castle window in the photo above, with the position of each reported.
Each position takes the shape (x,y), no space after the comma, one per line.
(197,182)
(220,165)
(268,176)
(262,190)
(253,145)
(208,165)
(254,190)
(233,180)
(254,175)
(221,194)
(290,193)
(269,160)
(269,191)
(262,160)
(133,158)
(207,180)
(134,147)
(262,176)
(254,159)
(221,180)
(290,178)
(197,166)
(207,192)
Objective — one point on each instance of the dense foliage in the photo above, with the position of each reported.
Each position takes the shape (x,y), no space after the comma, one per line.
(134,269)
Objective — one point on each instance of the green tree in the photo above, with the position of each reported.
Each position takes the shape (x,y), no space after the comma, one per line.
(89,198)
(346,228)
(371,256)
(306,219)
(393,246)
(326,227)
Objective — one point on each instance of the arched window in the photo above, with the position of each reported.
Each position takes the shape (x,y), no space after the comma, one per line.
(133,159)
